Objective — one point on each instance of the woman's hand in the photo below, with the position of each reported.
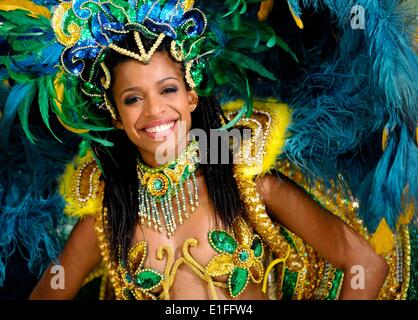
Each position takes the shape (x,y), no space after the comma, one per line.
(80,256)
(333,239)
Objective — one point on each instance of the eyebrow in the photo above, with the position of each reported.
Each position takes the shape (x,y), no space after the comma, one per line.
(157,82)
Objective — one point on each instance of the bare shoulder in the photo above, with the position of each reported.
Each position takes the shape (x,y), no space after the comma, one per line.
(272,185)
(85,229)
(82,242)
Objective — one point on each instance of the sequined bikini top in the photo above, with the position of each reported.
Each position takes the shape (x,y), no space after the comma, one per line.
(240,258)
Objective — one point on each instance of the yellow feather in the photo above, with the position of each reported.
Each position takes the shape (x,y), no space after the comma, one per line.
(385,138)
(265,9)
(382,240)
(72,207)
(27,5)
(232,106)
(298,20)
(409,212)
(280,120)
(59,90)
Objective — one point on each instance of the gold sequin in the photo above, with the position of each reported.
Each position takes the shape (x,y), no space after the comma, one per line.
(69,37)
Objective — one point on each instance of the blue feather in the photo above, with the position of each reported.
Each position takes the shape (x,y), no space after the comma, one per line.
(295,7)
(384,187)
(18,97)
(342,104)
(31,209)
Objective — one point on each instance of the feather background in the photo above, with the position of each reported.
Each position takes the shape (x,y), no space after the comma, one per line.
(31,208)
(348,87)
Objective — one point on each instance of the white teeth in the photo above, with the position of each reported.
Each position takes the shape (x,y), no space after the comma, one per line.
(160,128)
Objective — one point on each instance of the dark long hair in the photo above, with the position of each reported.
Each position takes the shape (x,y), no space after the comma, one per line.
(119,169)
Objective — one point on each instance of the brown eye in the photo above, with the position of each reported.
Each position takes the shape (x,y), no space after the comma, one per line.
(132,100)
(169,90)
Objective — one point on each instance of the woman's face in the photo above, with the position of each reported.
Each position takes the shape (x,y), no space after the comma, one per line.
(154,106)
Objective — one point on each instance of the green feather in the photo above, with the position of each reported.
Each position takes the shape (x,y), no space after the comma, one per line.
(24,109)
(44,99)
(246,62)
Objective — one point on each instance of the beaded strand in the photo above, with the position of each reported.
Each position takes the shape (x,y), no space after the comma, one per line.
(157,186)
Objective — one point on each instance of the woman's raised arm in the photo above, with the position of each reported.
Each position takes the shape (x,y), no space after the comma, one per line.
(332,238)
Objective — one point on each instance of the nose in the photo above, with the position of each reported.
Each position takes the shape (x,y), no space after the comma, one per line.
(153,107)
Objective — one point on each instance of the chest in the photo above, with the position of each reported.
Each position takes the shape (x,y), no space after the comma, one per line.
(202,260)
(197,226)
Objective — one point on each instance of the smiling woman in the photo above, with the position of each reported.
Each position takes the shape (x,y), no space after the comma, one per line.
(151,100)
(137,80)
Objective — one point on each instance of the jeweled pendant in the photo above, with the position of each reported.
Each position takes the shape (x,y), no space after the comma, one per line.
(160,187)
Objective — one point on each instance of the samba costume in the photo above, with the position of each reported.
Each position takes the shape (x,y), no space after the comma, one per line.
(325,142)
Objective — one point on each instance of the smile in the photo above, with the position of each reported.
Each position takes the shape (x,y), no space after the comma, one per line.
(160,128)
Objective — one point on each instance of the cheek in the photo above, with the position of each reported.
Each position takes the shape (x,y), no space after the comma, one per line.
(129,116)
(184,109)
(186,120)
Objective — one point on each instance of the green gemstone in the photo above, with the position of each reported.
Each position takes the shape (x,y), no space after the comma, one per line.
(186,173)
(122,263)
(88,86)
(158,184)
(128,278)
(103,56)
(172,165)
(148,279)
(237,281)
(97,100)
(243,255)
(257,247)
(91,88)
(222,241)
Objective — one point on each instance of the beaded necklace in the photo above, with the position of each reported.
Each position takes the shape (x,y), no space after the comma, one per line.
(157,186)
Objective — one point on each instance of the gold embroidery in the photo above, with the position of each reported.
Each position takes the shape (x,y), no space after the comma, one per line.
(245,174)
(123,275)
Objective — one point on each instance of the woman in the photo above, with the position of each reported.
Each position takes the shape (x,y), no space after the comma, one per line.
(153,102)
(154,215)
